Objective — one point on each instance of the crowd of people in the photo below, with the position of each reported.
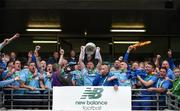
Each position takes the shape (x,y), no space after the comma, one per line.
(39,73)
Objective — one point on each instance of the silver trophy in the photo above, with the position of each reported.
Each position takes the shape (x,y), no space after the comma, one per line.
(90,49)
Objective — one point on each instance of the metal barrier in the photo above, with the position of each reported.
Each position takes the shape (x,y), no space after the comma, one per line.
(153,102)
(43,100)
(173,102)
(1,99)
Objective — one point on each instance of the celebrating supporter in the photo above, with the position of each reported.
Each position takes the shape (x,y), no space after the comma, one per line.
(30,79)
(148,81)
(13,56)
(162,85)
(176,84)
(72,60)
(77,79)
(89,72)
(102,78)
(170,73)
(54,58)
(12,72)
(121,75)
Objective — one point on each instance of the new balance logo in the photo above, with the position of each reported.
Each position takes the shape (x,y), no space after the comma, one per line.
(95,93)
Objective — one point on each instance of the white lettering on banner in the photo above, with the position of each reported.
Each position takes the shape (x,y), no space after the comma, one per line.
(90,98)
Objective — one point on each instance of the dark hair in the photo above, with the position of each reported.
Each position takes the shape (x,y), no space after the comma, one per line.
(17,60)
(163,68)
(31,63)
(124,62)
(10,62)
(90,61)
(152,64)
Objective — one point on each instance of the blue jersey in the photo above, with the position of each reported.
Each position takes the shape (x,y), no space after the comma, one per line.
(170,74)
(78,77)
(165,84)
(88,77)
(27,77)
(2,64)
(103,80)
(122,78)
(149,78)
(15,83)
(48,81)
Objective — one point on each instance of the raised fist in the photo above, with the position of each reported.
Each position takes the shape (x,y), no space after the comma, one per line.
(130,48)
(158,56)
(169,53)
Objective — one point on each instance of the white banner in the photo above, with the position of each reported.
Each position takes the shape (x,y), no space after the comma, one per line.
(91,99)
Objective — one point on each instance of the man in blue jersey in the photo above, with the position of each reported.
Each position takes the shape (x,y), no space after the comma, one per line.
(162,85)
(30,79)
(12,72)
(46,81)
(77,79)
(148,81)
(170,73)
(89,72)
(102,78)
(121,75)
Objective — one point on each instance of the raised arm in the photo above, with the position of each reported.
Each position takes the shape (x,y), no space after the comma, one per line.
(29,57)
(7,41)
(61,51)
(157,62)
(7,82)
(36,54)
(99,60)
(126,56)
(81,55)
(170,60)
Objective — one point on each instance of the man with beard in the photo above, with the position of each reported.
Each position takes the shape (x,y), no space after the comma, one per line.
(30,79)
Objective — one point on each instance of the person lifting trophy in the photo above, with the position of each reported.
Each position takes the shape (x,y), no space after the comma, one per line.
(89,67)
